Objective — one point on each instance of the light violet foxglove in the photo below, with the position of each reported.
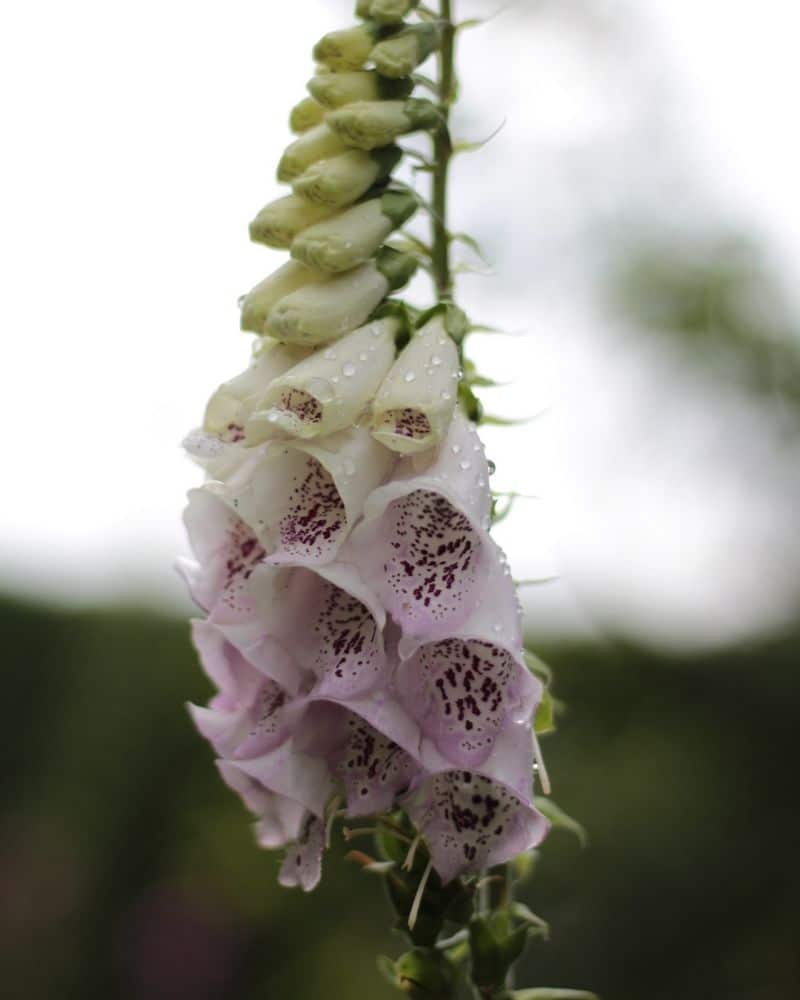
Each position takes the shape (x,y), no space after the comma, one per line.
(370,124)
(334,90)
(321,312)
(416,402)
(330,389)
(353,237)
(343,179)
(302,498)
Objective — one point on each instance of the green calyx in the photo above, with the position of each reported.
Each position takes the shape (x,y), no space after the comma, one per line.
(398,206)
(398,268)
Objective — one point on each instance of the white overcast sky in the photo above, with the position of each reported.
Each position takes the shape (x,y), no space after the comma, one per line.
(140,138)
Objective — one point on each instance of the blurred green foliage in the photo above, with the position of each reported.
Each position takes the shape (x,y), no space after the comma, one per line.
(128,870)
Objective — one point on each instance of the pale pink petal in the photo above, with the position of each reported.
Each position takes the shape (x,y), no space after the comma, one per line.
(373,768)
(303,498)
(471,822)
(423,543)
(280,818)
(302,866)
(290,772)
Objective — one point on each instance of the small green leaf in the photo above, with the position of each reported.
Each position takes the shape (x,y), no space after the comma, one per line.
(559,819)
(387,969)
(470,242)
(538,667)
(544,720)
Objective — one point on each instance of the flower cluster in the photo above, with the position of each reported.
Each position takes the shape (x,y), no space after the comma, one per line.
(361,625)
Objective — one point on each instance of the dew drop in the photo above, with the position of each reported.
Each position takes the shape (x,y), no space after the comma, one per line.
(492,467)
(330,354)
(436,360)
(334,379)
(464,465)
(497,627)
(363,356)
(456,449)
(348,369)
(349,466)
(240,301)
(446,395)
(481,482)
(409,377)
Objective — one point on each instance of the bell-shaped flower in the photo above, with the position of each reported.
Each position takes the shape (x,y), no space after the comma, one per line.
(415,404)
(218,446)
(305,115)
(319,313)
(319,143)
(343,179)
(348,48)
(251,713)
(324,620)
(226,552)
(371,124)
(401,53)
(352,238)
(303,497)
(391,11)
(258,302)
(334,90)
(423,544)
(329,390)
(471,823)
(278,223)
(465,689)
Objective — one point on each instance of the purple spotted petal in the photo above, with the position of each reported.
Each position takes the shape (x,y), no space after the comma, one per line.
(302,865)
(303,498)
(471,822)
(226,551)
(423,543)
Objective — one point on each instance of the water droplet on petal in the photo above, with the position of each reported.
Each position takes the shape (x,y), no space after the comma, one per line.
(492,467)
(456,449)
(349,466)
(363,355)
(335,379)
(497,627)
(240,301)
(320,388)
(348,369)
(481,482)
(409,377)
(436,360)
(330,354)
(446,395)
(464,465)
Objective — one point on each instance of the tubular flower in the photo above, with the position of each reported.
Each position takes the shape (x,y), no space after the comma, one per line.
(416,401)
(360,625)
(352,238)
(329,390)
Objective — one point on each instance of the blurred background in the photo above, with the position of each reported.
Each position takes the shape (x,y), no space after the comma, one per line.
(639,210)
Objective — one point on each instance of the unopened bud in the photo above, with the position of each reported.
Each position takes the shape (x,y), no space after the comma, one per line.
(305,115)
(334,90)
(328,390)
(347,49)
(370,124)
(278,223)
(319,143)
(362,8)
(400,54)
(416,401)
(317,314)
(391,11)
(347,240)
(343,179)
(258,302)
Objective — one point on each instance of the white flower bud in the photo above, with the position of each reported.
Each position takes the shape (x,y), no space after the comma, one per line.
(343,179)
(319,143)
(346,49)
(400,54)
(362,8)
(350,239)
(391,11)
(305,115)
(257,303)
(329,390)
(277,224)
(334,90)
(415,403)
(370,124)
(319,313)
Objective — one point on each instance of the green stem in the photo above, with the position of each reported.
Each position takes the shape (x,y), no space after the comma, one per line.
(442,154)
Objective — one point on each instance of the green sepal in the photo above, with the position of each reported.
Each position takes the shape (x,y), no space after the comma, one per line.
(538,667)
(389,845)
(473,407)
(559,820)
(398,309)
(387,158)
(537,927)
(394,90)
(398,268)
(456,322)
(422,113)
(398,206)
(424,974)
(398,55)
(544,721)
